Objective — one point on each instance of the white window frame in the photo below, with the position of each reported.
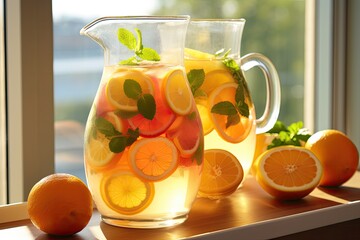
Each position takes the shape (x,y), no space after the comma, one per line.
(3,172)
(29,74)
(30,114)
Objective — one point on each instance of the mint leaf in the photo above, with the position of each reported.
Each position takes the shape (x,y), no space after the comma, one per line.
(195,78)
(199,153)
(199,93)
(125,114)
(149,54)
(147,106)
(139,45)
(132,89)
(105,127)
(232,120)
(127,38)
(243,109)
(132,136)
(294,134)
(118,144)
(278,127)
(224,108)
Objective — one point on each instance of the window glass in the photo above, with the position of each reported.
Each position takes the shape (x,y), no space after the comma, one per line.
(274,28)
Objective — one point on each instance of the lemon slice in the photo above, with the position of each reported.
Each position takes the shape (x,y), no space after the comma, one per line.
(115,89)
(215,78)
(206,122)
(97,151)
(222,174)
(125,193)
(177,92)
(192,53)
(153,159)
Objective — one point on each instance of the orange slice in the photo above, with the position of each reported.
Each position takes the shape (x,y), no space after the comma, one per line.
(125,193)
(177,92)
(234,133)
(206,122)
(288,172)
(222,174)
(153,159)
(115,89)
(215,78)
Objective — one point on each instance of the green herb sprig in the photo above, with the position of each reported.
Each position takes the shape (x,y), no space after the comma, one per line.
(133,43)
(294,134)
(196,78)
(145,102)
(118,141)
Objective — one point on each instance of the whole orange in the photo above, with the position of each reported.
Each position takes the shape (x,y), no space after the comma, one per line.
(60,204)
(338,155)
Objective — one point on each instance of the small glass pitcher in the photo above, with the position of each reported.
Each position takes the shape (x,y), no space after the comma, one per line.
(144,142)
(215,71)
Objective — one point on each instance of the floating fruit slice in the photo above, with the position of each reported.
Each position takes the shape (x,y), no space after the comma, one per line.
(222,174)
(192,53)
(215,78)
(206,122)
(97,152)
(115,89)
(288,172)
(177,92)
(153,159)
(187,137)
(234,133)
(163,118)
(125,193)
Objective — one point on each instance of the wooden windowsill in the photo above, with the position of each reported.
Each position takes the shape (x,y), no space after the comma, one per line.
(248,213)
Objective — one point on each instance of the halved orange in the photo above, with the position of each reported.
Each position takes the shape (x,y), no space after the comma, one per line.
(288,172)
(222,174)
(115,89)
(125,193)
(177,92)
(153,159)
(234,133)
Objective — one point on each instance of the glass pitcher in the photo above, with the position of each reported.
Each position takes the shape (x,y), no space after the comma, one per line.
(215,72)
(144,142)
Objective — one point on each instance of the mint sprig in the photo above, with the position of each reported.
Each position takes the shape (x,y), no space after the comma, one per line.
(118,140)
(145,102)
(294,134)
(134,43)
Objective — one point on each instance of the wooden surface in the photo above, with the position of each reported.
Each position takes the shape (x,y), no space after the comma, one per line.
(245,211)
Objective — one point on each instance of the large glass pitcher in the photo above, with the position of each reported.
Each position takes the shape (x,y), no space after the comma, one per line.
(143,138)
(215,71)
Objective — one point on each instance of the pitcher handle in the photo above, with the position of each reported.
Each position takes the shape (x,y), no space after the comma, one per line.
(273,98)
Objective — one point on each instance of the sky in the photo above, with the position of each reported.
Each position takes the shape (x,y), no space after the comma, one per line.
(95,8)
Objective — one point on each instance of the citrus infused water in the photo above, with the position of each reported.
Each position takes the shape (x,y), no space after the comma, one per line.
(225,107)
(143,145)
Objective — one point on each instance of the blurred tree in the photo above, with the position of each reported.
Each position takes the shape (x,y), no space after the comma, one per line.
(274,28)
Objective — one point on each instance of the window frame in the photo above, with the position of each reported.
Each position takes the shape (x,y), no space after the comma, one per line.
(29,70)
(30,114)
(3,150)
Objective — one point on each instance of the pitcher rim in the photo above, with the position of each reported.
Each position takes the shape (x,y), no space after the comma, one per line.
(137,17)
(230,20)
